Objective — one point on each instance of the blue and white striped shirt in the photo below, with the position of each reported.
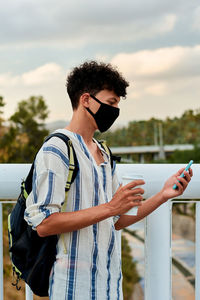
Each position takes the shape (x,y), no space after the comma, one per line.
(91,269)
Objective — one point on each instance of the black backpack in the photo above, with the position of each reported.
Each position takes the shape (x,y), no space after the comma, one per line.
(33,256)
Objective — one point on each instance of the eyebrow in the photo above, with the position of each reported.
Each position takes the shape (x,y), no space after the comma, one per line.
(113,98)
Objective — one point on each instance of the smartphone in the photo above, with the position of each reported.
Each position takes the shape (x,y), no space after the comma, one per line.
(182,174)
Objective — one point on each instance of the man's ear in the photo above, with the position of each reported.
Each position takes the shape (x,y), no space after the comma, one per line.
(84,99)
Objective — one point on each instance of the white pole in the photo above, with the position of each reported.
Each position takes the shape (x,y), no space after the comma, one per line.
(197,254)
(29,293)
(1,252)
(158,254)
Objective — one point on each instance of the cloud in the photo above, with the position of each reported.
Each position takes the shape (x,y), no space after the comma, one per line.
(47,80)
(81,22)
(148,28)
(160,63)
(9,80)
(163,82)
(149,40)
(43,75)
(157,89)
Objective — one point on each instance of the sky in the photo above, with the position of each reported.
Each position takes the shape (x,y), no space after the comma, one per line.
(155,44)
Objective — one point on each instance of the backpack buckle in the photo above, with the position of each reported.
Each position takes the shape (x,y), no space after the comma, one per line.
(71,167)
(16,279)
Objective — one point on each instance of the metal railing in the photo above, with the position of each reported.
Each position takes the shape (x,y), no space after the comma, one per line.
(157,225)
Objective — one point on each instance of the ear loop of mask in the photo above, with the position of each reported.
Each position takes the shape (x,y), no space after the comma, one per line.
(88,109)
(96,99)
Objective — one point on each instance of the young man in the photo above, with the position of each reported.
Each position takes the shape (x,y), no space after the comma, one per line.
(91,267)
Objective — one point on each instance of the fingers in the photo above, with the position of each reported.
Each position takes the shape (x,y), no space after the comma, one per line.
(127,196)
(180,171)
(128,191)
(180,187)
(138,203)
(120,187)
(187,176)
(134,183)
(136,191)
(182,182)
(136,200)
(183,170)
(190,172)
(133,192)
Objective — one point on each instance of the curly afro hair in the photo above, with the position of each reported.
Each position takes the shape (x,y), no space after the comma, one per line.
(92,77)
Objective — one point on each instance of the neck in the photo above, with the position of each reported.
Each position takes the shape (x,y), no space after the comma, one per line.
(81,126)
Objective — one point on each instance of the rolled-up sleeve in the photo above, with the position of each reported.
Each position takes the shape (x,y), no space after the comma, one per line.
(48,183)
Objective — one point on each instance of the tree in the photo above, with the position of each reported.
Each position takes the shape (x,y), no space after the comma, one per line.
(2,104)
(27,130)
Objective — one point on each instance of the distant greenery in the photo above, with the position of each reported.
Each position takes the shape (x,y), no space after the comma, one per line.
(2,104)
(183,130)
(185,156)
(26,131)
(130,274)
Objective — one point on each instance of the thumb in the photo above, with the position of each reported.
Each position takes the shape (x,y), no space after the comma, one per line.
(120,186)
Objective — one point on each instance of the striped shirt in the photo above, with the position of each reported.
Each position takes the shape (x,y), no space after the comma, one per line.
(91,269)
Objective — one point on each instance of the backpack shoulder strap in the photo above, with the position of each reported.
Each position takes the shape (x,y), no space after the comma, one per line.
(113,158)
(73,164)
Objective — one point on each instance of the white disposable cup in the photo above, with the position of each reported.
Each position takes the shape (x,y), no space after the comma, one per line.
(127,179)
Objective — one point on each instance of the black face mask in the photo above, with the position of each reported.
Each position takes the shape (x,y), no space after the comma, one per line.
(105,115)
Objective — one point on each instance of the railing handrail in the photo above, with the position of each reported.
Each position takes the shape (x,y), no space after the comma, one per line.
(154,175)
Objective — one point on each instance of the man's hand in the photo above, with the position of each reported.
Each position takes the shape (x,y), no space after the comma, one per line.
(168,192)
(126,197)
